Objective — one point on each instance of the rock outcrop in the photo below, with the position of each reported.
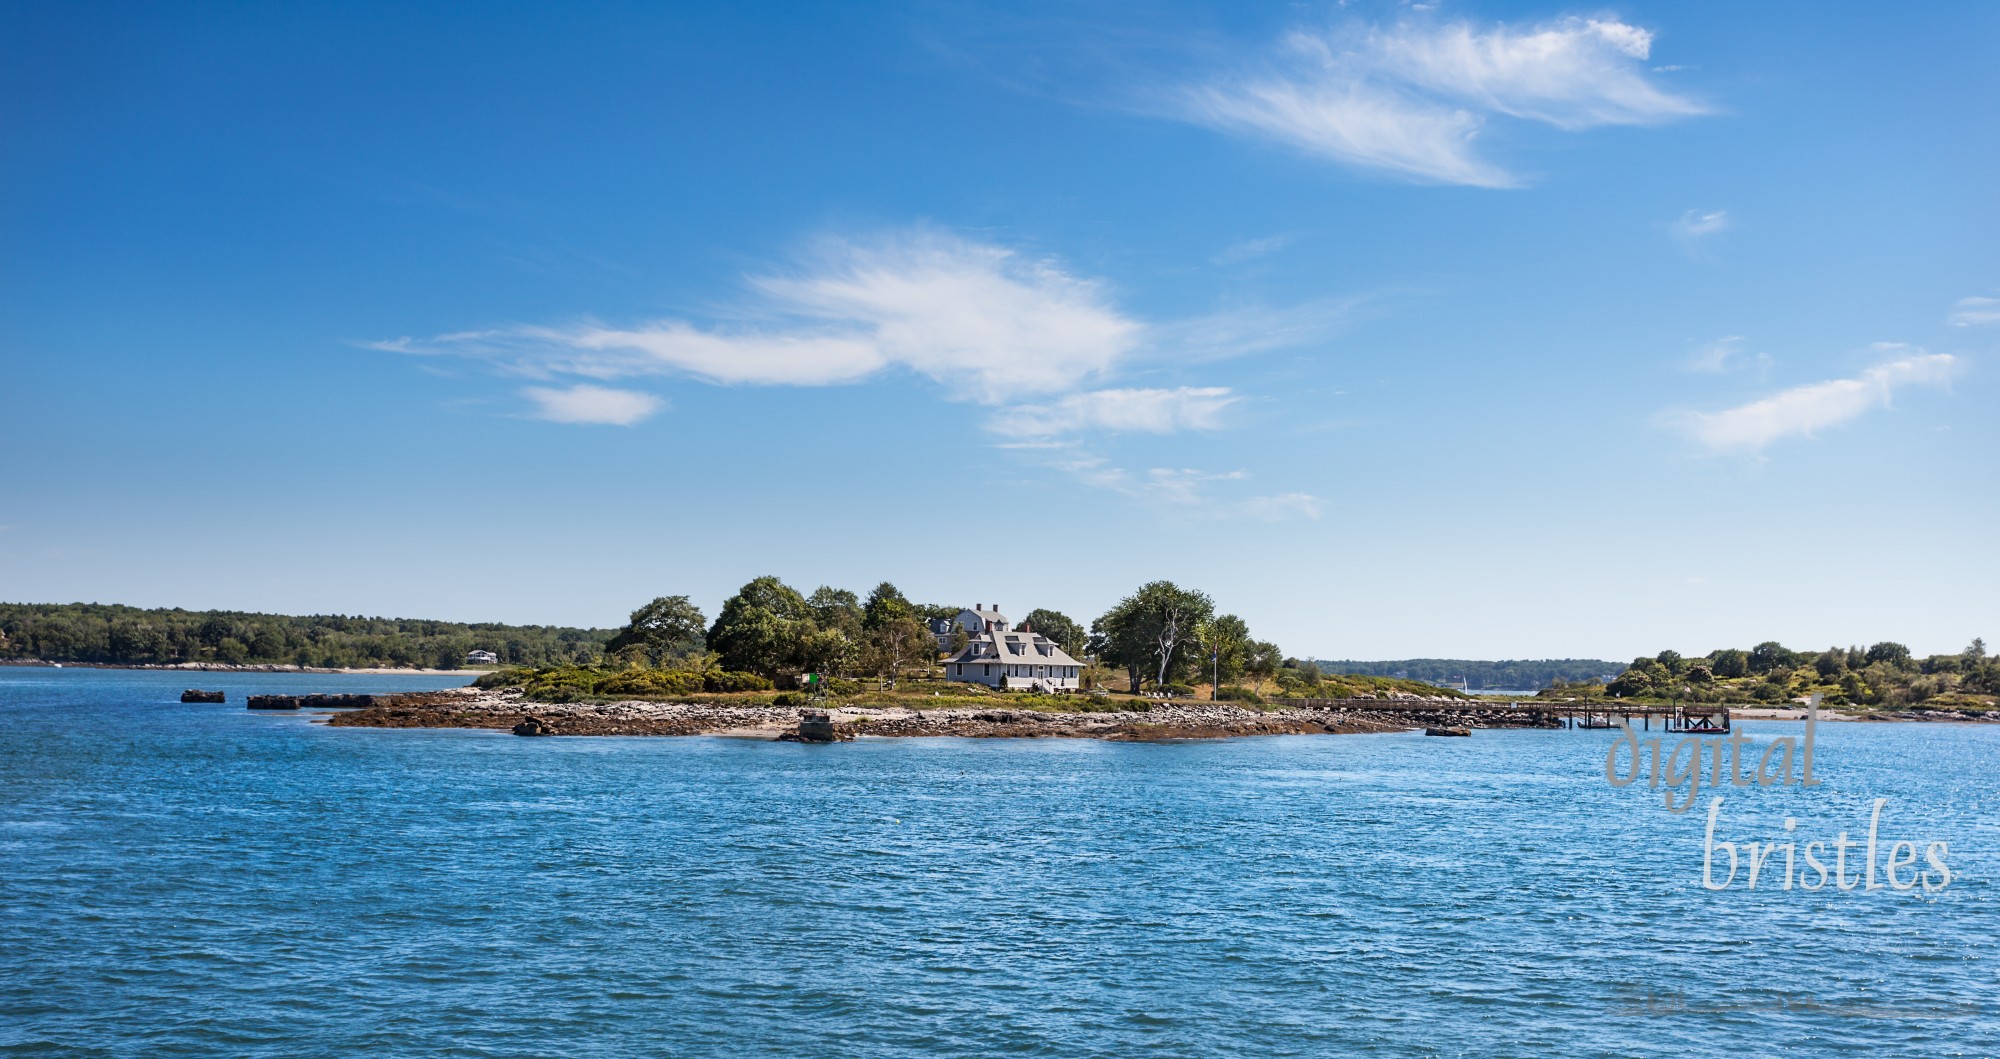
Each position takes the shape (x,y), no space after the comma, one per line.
(508,711)
(198,695)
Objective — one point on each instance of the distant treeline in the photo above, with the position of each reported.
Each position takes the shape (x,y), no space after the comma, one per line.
(118,635)
(1884,674)
(1514,675)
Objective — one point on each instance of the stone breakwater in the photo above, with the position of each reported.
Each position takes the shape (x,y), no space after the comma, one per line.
(508,711)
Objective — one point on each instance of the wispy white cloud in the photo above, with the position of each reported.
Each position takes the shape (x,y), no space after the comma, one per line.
(1245,330)
(1037,344)
(591,404)
(1150,411)
(1725,354)
(988,324)
(1282,506)
(1803,410)
(1250,249)
(1696,230)
(1975,311)
(1412,99)
(1187,491)
(1184,485)
(1695,224)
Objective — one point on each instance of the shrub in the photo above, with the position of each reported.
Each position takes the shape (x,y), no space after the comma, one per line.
(791,698)
(651,682)
(1178,691)
(1238,693)
(725,681)
(573,682)
(504,678)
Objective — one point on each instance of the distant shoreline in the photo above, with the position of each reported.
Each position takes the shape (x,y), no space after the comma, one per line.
(228,667)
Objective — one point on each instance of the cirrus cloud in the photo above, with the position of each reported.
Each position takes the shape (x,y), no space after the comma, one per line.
(1151,411)
(1411,100)
(1801,411)
(1974,311)
(985,322)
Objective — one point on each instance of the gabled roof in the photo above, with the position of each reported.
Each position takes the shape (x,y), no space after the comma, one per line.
(1020,648)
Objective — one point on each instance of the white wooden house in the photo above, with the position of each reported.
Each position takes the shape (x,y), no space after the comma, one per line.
(1001,656)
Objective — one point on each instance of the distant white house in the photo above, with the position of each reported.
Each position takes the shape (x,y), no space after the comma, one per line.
(481,658)
(1000,656)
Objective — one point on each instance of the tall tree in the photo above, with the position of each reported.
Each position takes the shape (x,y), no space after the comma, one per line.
(1262,661)
(763,628)
(667,628)
(1770,655)
(825,650)
(898,643)
(836,608)
(1149,630)
(885,604)
(1060,628)
(1226,643)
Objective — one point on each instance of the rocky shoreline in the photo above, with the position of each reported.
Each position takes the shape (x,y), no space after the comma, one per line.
(508,711)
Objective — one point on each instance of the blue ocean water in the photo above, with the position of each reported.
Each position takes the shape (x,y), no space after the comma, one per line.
(202,880)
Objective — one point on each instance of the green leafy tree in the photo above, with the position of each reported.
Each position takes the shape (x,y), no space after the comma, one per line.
(1300,677)
(1831,664)
(1226,643)
(836,608)
(670,627)
(1149,631)
(1770,655)
(825,650)
(1731,662)
(898,643)
(1059,627)
(1893,655)
(885,604)
(1262,662)
(1645,676)
(763,629)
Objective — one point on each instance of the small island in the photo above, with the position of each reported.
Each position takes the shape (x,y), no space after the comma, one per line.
(1161,664)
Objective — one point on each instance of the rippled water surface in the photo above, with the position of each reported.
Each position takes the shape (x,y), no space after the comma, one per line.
(200,880)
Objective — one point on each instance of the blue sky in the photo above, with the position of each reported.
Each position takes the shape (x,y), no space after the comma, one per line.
(1463,330)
